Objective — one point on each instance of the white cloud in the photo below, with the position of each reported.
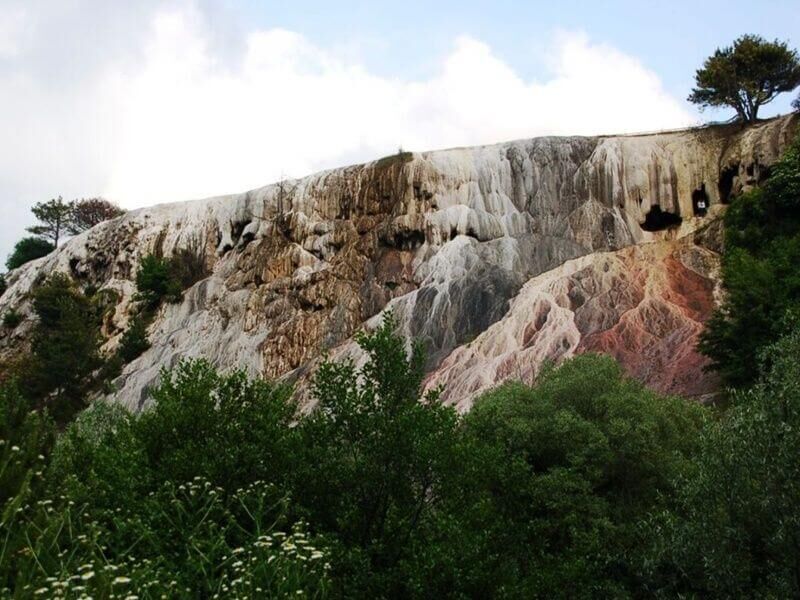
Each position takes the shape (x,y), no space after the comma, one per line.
(183,121)
(14,27)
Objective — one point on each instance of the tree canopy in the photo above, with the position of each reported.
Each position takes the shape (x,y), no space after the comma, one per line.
(746,76)
(28,249)
(759,272)
(88,212)
(54,217)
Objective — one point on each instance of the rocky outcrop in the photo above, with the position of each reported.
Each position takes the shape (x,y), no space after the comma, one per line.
(446,239)
(645,305)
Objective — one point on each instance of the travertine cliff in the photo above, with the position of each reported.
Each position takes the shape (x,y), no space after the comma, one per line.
(498,257)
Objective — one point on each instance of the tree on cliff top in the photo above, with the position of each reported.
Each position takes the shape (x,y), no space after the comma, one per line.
(54,217)
(88,212)
(746,76)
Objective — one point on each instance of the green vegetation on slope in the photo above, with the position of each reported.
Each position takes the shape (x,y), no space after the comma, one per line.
(584,485)
(759,273)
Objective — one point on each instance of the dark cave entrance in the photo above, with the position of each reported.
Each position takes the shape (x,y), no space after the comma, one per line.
(726,177)
(700,201)
(408,240)
(659,220)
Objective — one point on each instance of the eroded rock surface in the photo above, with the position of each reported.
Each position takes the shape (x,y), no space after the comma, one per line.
(447,239)
(645,305)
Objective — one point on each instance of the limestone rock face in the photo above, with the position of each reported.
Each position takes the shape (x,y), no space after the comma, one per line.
(645,305)
(497,257)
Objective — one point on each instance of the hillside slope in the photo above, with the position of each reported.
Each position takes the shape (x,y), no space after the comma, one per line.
(497,257)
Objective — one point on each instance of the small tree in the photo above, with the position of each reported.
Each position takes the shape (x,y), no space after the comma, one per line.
(378,449)
(64,346)
(28,249)
(134,341)
(156,281)
(746,76)
(54,217)
(88,212)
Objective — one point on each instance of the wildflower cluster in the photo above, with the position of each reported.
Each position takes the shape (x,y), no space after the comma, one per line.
(180,540)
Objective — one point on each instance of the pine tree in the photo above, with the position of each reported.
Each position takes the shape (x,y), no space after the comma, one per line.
(54,219)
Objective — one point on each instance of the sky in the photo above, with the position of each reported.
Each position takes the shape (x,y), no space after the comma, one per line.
(151,101)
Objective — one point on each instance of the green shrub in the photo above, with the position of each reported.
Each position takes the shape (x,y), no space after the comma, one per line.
(735,525)
(568,466)
(182,500)
(64,347)
(759,274)
(374,453)
(164,279)
(134,341)
(156,283)
(3,284)
(11,319)
(28,249)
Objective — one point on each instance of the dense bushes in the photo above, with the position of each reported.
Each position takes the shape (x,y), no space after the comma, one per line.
(134,340)
(759,272)
(374,456)
(28,249)
(11,319)
(571,464)
(64,348)
(584,485)
(181,500)
(156,281)
(164,279)
(217,484)
(735,528)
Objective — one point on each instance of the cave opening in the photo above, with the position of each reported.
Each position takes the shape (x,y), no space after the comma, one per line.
(700,201)
(408,240)
(726,177)
(659,220)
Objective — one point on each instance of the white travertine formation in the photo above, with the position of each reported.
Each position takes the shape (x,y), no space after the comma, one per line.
(447,239)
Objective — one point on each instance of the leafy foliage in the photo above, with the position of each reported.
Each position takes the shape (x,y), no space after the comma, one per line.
(54,218)
(88,212)
(28,249)
(735,528)
(64,347)
(134,341)
(570,465)
(173,501)
(374,454)
(762,249)
(746,76)
(584,485)
(11,319)
(164,279)
(155,281)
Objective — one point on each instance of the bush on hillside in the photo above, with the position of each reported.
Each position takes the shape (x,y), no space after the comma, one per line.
(759,274)
(134,341)
(28,249)
(735,525)
(11,319)
(164,279)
